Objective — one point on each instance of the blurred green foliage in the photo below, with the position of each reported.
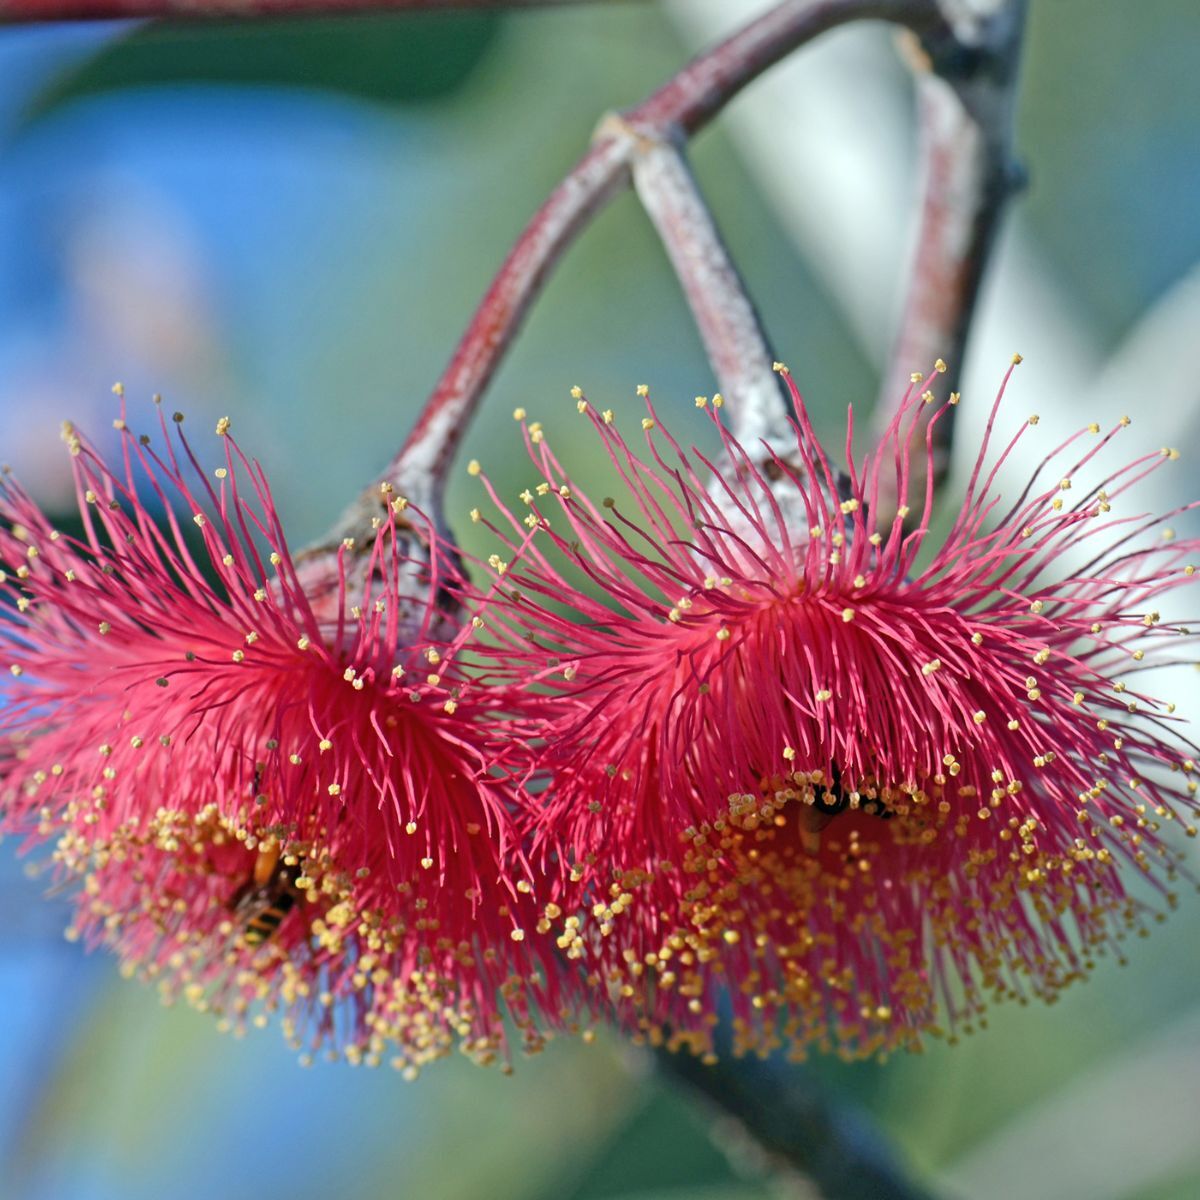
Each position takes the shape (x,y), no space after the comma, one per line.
(385,58)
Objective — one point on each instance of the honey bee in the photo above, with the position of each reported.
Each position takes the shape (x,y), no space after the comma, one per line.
(829,802)
(266,898)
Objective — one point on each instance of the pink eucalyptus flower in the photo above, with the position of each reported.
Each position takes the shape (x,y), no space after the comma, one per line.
(272,779)
(857,783)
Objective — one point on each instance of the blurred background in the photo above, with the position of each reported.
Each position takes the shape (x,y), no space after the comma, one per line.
(290,223)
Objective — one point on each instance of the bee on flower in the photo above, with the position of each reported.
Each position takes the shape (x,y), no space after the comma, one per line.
(269,777)
(820,772)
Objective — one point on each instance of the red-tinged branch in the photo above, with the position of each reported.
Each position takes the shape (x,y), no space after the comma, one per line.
(422,463)
(682,106)
(702,89)
(14,11)
(965,101)
(729,325)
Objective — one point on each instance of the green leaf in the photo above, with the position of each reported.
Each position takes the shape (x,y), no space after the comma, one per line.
(388,59)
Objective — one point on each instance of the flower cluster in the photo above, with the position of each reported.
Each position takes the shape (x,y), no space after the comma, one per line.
(811,771)
(271,778)
(735,744)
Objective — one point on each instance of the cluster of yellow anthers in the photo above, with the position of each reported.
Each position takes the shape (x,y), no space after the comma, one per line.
(763,911)
(160,888)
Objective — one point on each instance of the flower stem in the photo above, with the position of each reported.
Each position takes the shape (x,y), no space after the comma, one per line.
(966,90)
(729,324)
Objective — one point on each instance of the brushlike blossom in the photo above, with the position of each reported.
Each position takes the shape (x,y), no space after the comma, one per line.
(268,779)
(848,783)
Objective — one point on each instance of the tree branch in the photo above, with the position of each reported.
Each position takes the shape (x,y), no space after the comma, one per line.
(966,91)
(683,106)
(12,11)
(424,459)
(830,1144)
